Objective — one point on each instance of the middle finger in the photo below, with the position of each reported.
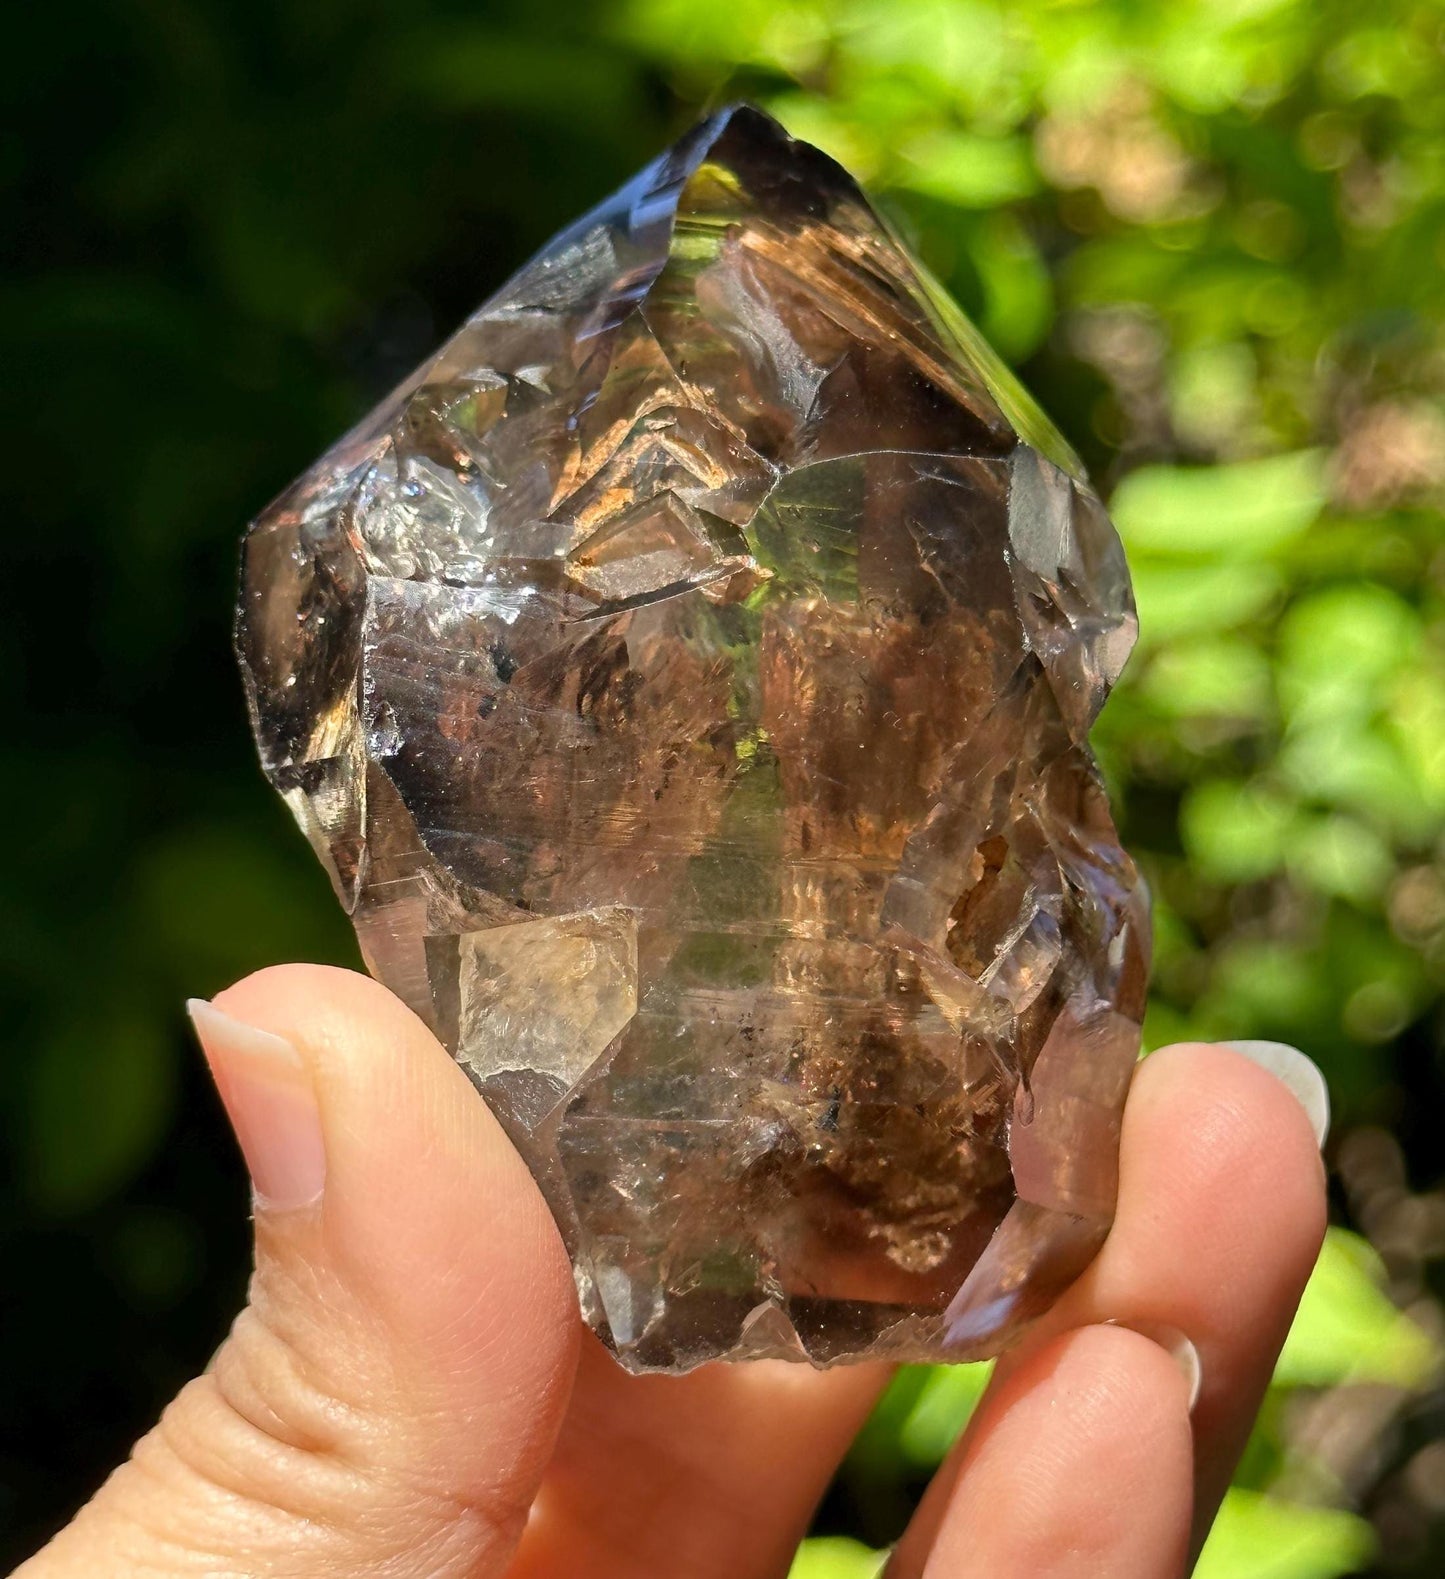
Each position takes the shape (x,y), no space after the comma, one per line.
(714,1474)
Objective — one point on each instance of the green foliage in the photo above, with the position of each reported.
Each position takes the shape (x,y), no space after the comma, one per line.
(1228,513)
(940,1412)
(836,1557)
(1257,1537)
(1206,232)
(1348,1331)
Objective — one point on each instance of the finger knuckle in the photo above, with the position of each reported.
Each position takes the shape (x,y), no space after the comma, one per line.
(298,1441)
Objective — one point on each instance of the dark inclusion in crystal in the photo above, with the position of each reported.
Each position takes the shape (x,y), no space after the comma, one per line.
(685,678)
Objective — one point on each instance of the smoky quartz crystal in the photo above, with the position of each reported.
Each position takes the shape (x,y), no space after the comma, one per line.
(685,678)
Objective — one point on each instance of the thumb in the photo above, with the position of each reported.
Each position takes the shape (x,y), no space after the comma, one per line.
(387,1401)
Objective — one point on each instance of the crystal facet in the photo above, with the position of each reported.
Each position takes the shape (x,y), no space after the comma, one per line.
(685,678)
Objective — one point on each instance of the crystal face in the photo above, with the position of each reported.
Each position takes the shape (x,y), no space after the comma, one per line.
(685,678)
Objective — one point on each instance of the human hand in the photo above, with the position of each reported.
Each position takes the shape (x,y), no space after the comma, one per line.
(409,1394)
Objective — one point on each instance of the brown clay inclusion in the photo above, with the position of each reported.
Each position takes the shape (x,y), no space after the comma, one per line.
(685,678)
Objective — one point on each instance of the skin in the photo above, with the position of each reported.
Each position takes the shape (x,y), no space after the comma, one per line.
(408,1393)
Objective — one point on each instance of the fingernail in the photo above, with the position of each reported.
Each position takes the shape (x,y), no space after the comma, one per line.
(268,1094)
(1177,1345)
(1300,1073)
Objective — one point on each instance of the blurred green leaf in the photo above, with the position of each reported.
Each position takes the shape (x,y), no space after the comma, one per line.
(1339,761)
(1221,512)
(1212,392)
(818,122)
(1267,984)
(1338,645)
(835,1557)
(1018,296)
(959,48)
(942,1410)
(1417,705)
(878,1446)
(967,170)
(1340,856)
(1212,676)
(1175,601)
(788,34)
(1347,1330)
(1235,832)
(1259,1537)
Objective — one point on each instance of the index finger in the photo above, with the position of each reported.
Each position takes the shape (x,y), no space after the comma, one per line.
(1221,1216)
(1221,1213)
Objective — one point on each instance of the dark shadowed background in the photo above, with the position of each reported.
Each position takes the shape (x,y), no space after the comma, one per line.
(1210,233)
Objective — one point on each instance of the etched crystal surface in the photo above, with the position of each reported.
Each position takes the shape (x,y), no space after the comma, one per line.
(685,678)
